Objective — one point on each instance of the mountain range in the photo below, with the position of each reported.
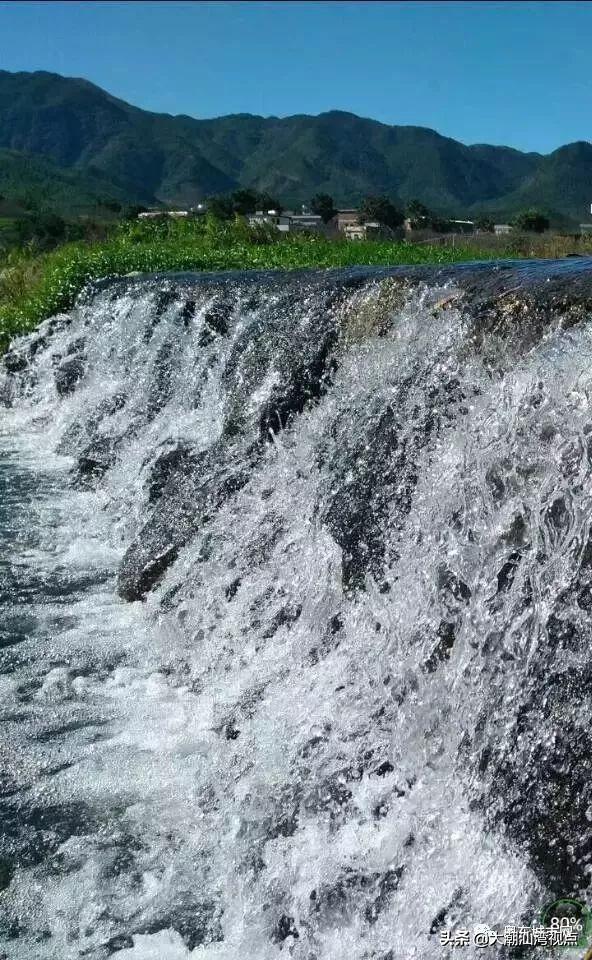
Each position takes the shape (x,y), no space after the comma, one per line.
(71,145)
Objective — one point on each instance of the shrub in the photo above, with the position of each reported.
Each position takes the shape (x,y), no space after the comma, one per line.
(531,221)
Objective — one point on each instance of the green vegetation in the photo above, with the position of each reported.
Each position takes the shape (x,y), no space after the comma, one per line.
(324,206)
(35,285)
(115,152)
(531,221)
(33,183)
(225,206)
(418,214)
(484,223)
(382,210)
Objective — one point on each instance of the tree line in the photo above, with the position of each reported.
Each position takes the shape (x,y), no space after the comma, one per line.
(378,208)
(46,229)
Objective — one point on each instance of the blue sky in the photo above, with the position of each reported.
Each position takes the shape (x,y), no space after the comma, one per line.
(515,73)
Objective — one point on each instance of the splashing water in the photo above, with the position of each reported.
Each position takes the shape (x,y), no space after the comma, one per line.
(295,595)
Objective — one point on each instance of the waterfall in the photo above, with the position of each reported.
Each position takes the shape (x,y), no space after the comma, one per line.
(295,593)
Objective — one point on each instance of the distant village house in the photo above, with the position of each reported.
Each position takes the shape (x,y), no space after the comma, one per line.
(347,221)
(346,218)
(287,220)
(270,217)
(155,214)
(173,214)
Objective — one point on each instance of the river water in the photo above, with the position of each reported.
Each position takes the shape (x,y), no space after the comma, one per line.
(295,624)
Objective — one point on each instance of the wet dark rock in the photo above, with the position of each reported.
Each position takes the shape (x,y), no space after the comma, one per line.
(84,432)
(380,810)
(356,512)
(562,631)
(218,317)
(77,346)
(195,921)
(231,732)
(161,382)
(330,796)
(94,462)
(187,312)
(558,515)
(162,300)
(6,871)
(550,811)
(385,886)
(302,360)
(285,617)
(384,768)
(285,927)
(443,648)
(312,746)
(307,383)
(496,483)
(107,408)
(40,340)
(69,374)
(7,391)
(453,592)
(381,476)
(191,497)
(332,902)
(117,943)
(15,361)
(32,833)
(232,588)
(330,641)
(536,778)
(446,913)
(181,459)
(143,566)
(505,577)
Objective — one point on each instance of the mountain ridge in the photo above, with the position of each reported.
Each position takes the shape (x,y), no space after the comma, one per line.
(178,159)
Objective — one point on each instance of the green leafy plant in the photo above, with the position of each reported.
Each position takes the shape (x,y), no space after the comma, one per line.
(35,287)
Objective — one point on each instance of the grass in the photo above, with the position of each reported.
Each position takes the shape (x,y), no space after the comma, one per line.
(35,286)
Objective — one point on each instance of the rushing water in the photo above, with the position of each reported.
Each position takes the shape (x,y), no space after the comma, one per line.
(295,598)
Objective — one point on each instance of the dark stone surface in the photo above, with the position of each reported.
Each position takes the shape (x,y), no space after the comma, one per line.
(161,383)
(182,458)
(185,486)
(536,773)
(307,382)
(186,492)
(69,374)
(379,475)
(96,459)
(15,361)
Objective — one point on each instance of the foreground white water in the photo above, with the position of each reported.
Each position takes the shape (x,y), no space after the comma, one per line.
(261,759)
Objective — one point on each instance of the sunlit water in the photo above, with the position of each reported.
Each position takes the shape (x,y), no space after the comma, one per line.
(331,730)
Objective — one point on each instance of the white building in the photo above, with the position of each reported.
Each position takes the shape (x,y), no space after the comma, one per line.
(305,221)
(153,214)
(286,221)
(462,226)
(271,217)
(354,231)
